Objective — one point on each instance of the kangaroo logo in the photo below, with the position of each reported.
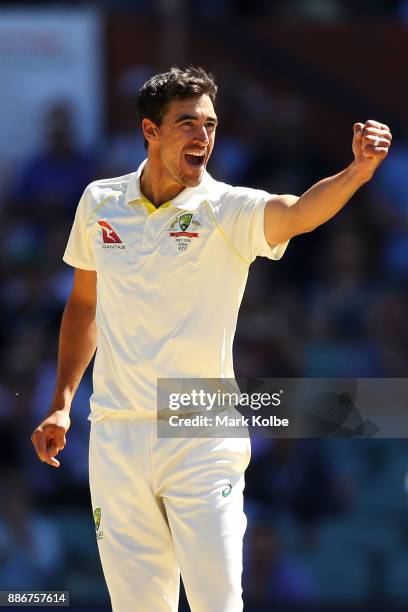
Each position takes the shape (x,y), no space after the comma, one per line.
(108,233)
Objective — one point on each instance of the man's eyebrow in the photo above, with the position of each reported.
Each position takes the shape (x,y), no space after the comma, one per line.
(194,118)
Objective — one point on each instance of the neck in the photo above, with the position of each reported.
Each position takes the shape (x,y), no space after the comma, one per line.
(156,184)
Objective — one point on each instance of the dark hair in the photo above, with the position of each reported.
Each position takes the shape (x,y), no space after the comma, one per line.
(176,84)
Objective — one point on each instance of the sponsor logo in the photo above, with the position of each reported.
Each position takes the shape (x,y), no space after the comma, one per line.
(226,491)
(97,518)
(178,230)
(110,238)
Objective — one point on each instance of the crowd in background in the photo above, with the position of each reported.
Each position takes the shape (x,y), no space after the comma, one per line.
(327,518)
(327,11)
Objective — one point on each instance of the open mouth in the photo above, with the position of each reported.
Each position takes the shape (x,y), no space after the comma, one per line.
(195,159)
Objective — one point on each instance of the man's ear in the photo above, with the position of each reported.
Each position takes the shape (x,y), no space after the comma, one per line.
(150,130)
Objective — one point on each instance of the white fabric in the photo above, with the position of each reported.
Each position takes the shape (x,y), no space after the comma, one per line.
(167,300)
(162,510)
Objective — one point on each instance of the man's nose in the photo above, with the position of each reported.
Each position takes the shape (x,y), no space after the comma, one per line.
(201,135)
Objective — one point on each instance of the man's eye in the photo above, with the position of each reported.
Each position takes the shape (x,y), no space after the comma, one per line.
(188,123)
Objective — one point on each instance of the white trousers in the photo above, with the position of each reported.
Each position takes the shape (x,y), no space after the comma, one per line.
(162,506)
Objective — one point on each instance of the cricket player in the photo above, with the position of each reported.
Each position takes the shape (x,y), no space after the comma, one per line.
(161,259)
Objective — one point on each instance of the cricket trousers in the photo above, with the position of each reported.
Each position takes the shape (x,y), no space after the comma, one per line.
(164,506)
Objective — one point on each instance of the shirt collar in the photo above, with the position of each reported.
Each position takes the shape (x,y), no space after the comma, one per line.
(188,199)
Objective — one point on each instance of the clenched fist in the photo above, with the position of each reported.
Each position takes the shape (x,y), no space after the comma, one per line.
(371,143)
(49,437)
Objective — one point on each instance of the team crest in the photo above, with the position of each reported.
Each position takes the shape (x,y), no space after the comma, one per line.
(183,229)
(97,518)
(185,221)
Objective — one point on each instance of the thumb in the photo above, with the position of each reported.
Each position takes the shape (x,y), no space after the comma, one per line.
(358,129)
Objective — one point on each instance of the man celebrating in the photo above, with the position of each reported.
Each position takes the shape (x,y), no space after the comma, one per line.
(161,259)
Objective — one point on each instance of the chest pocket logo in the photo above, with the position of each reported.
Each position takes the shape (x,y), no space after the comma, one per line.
(178,230)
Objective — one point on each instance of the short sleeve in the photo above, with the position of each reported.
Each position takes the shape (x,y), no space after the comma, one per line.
(242,218)
(78,252)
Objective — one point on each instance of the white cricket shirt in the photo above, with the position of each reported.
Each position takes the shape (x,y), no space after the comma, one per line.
(169,283)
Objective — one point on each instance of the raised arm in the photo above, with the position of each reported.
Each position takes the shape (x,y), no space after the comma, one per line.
(287,216)
(77,344)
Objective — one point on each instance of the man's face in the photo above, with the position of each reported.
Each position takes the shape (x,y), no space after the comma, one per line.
(186,139)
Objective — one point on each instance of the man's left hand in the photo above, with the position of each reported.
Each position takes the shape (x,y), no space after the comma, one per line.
(371,143)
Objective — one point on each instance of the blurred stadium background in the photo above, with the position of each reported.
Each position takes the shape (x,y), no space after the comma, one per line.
(328,519)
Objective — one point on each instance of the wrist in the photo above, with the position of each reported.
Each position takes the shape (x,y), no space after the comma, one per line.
(61,402)
(60,409)
(360,173)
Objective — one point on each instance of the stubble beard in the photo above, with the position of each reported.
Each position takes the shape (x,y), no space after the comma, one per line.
(192,182)
(175,171)
(187,181)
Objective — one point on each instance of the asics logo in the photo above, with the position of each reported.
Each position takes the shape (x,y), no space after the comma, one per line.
(225,492)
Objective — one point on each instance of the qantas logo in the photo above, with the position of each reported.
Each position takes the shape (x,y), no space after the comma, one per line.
(109,234)
(111,239)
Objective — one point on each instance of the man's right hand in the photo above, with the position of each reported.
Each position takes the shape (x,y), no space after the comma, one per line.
(49,437)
